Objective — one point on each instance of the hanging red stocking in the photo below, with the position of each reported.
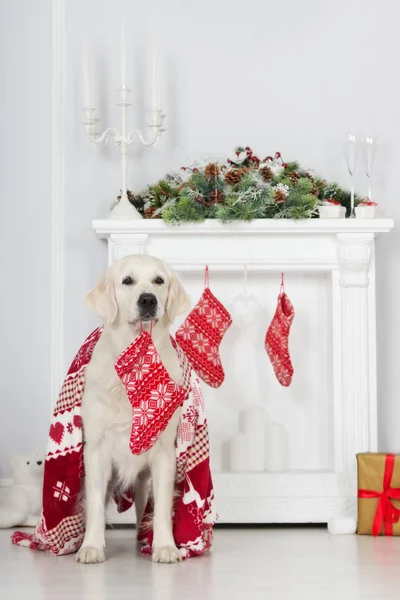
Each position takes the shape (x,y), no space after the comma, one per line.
(151,391)
(201,334)
(277,339)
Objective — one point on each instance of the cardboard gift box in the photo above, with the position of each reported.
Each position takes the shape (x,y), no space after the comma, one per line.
(378,494)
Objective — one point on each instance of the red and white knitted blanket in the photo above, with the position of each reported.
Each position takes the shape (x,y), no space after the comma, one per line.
(61,527)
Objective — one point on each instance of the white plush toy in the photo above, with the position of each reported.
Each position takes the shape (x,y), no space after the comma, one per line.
(21,502)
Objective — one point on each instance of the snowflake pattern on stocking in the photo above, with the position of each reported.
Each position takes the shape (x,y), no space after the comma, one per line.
(200,343)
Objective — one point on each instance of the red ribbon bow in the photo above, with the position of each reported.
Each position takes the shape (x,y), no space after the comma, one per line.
(386,514)
(367,202)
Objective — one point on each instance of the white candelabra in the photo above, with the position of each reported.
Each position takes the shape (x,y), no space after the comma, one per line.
(123,209)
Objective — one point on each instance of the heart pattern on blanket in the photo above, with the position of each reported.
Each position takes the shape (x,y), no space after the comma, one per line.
(56,432)
(78,421)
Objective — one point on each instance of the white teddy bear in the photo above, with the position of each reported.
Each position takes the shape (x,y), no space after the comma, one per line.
(21,502)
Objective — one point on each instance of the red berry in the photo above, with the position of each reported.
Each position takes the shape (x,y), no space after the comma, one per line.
(195,170)
(268,158)
(183,169)
(277,154)
(284,165)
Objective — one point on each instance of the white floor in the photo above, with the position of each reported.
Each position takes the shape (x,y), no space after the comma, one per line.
(245,564)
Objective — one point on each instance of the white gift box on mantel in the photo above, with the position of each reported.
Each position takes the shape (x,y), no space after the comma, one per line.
(366,210)
(331,209)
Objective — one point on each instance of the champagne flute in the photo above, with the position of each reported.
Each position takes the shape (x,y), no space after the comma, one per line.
(370,151)
(351,151)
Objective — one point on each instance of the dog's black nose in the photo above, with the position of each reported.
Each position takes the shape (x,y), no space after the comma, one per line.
(39,462)
(147,302)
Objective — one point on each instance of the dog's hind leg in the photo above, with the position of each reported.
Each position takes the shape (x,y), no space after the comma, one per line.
(141,495)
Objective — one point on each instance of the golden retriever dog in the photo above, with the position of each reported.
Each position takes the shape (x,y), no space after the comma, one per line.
(135,292)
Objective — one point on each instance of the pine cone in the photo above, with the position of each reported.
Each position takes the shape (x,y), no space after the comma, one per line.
(200,200)
(294,177)
(280,197)
(235,175)
(267,174)
(149,211)
(211,170)
(216,197)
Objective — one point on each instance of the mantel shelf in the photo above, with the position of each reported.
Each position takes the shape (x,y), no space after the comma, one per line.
(107,227)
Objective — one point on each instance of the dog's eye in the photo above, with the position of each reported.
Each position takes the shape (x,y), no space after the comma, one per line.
(27,462)
(159,280)
(127,280)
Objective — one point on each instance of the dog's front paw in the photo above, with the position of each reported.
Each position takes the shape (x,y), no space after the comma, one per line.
(90,555)
(166,554)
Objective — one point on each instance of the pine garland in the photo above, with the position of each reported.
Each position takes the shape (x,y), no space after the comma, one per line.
(242,189)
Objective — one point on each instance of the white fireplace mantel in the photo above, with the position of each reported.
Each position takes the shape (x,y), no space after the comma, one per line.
(340,252)
(264,244)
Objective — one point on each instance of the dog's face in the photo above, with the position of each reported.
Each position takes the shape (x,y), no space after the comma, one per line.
(138,288)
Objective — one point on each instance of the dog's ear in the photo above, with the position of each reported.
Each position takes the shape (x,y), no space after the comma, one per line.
(102,300)
(178,300)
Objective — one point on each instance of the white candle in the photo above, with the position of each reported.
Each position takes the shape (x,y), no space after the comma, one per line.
(238,454)
(256,451)
(255,418)
(123,55)
(156,82)
(87,91)
(276,448)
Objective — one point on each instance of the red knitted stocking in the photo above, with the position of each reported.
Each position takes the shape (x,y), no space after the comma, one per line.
(201,334)
(151,391)
(277,339)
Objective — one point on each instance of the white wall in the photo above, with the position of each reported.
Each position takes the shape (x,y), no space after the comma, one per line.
(25,202)
(285,76)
